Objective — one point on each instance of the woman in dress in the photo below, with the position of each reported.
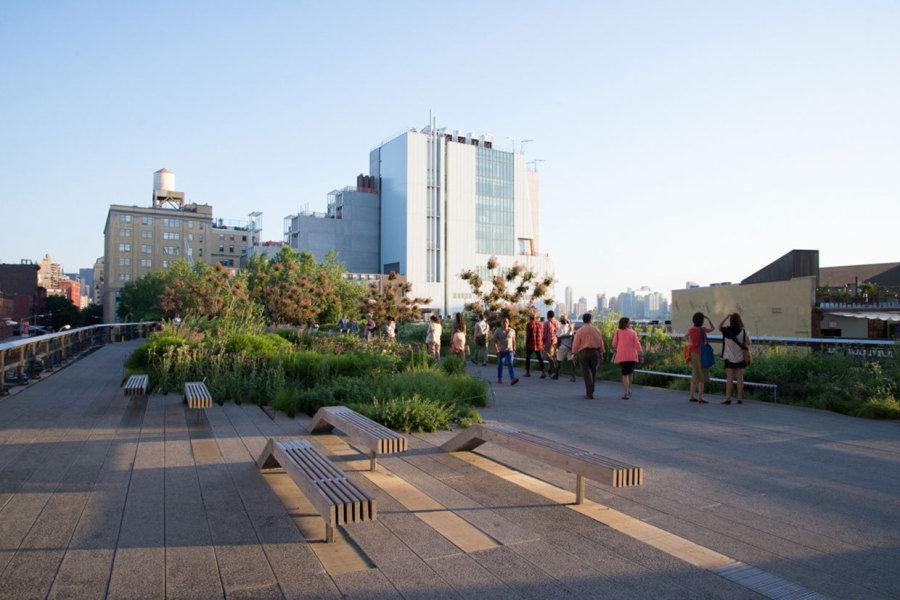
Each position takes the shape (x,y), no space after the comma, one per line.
(628,353)
(433,338)
(458,337)
(736,340)
(699,373)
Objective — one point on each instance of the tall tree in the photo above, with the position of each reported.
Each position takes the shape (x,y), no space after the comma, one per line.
(391,300)
(513,293)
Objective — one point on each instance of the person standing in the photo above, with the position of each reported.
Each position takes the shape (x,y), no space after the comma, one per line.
(696,336)
(458,337)
(390,330)
(505,347)
(628,353)
(353,326)
(370,329)
(481,336)
(588,345)
(736,341)
(551,344)
(343,324)
(534,344)
(433,338)
(565,335)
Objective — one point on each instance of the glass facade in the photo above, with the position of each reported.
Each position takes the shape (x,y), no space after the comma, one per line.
(494,202)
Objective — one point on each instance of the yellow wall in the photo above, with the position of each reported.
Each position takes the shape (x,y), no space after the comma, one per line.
(777,308)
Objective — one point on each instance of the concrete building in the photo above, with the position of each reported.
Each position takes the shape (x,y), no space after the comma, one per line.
(19,286)
(351,226)
(446,202)
(785,299)
(138,240)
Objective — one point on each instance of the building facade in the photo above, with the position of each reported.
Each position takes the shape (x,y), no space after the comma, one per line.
(443,203)
(138,240)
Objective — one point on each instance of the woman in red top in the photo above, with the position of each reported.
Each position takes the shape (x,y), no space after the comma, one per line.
(699,373)
(628,353)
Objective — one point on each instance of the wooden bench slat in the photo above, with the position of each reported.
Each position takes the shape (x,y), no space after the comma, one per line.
(575,460)
(376,438)
(339,499)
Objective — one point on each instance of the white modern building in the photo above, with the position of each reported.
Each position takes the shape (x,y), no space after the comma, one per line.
(447,203)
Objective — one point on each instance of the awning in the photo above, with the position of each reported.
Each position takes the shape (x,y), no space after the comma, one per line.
(872,316)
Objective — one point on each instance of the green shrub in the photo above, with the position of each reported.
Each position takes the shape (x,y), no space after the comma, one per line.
(408,414)
(454,365)
(267,344)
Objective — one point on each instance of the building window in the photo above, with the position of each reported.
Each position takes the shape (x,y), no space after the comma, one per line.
(146,234)
(172,223)
(201,239)
(231,249)
(126,219)
(146,249)
(221,247)
(124,262)
(147,262)
(190,237)
(201,251)
(171,250)
(165,264)
(221,237)
(146,220)
(243,249)
(190,224)
(124,247)
(232,239)
(171,235)
(124,276)
(494,202)
(124,233)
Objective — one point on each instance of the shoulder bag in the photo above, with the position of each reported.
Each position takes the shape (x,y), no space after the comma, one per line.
(707,355)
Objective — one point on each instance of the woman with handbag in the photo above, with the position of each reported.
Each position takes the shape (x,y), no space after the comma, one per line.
(696,337)
(735,352)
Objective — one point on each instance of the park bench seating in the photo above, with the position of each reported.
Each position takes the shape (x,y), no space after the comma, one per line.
(197,396)
(581,462)
(364,432)
(136,385)
(336,497)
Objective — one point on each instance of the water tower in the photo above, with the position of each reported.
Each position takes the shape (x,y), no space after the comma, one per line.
(164,194)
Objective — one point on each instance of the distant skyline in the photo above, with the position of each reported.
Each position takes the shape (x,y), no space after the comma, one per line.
(675,141)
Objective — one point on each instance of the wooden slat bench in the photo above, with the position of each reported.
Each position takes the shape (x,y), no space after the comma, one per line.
(581,462)
(136,385)
(376,438)
(339,499)
(197,396)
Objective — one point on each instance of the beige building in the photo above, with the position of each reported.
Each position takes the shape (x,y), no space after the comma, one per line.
(794,297)
(138,240)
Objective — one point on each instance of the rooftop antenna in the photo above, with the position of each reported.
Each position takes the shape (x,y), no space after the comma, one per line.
(522,146)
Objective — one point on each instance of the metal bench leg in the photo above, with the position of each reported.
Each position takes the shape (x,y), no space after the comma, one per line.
(329,532)
(579,489)
(372,461)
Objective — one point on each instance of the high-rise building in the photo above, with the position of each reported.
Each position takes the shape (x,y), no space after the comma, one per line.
(446,203)
(570,300)
(138,240)
(581,306)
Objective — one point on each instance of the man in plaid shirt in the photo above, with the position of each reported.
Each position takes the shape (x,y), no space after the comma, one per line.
(534,343)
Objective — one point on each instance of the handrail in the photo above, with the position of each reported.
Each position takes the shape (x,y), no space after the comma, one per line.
(49,336)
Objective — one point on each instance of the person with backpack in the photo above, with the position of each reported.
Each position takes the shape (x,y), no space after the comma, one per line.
(735,343)
(482,329)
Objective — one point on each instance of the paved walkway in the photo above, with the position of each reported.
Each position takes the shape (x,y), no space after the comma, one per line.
(102,496)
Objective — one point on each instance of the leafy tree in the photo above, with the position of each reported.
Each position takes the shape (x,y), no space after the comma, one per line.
(62,311)
(92,314)
(512,294)
(391,300)
(139,300)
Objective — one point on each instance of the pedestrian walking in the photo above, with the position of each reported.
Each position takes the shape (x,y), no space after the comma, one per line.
(505,347)
(458,337)
(482,329)
(565,335)
(588,346)
(534,344)
(628,353)
(433,337)
(390,329)
(551,344)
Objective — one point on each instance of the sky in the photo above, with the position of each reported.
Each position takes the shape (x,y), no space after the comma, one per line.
(676,141)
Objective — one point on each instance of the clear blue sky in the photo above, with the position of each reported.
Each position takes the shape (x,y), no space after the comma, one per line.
(681,140)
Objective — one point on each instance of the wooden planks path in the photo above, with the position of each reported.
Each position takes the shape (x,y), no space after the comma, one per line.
(106,496)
